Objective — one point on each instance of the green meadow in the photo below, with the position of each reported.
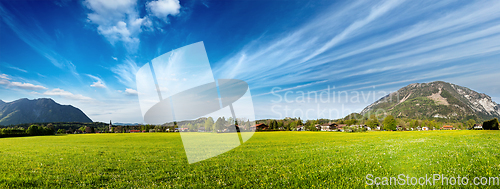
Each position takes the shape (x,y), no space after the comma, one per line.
(268,159)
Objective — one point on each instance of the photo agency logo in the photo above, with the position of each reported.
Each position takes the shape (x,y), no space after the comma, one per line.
(179,86)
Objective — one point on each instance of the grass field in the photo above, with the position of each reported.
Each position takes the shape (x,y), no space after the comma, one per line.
(272,159)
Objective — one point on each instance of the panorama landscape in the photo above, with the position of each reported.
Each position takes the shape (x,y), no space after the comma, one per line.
(249,94)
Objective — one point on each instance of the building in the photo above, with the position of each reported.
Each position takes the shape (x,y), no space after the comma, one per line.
(201,129)
(301,128)
(425,128)
(318,127)
(341,127)
(260,127)
(447,127)
(328,127)
(478,127)
(110,126)
(367,128)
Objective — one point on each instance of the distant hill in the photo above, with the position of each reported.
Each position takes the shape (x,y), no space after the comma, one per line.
(436,100)
(39,111)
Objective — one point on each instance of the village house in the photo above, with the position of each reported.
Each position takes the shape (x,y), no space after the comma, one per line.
(478,127)
(300,128)
(341,127)
(318,127)
(367,128)
(328,127)
(425,128)
(260,127)
(399,128)
(447,127)
(201,129)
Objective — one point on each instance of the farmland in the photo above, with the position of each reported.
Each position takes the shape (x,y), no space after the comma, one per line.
(268,159)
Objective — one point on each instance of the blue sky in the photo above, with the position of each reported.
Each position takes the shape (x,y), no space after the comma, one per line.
(86,53)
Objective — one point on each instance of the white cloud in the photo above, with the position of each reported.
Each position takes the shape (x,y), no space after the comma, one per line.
(116,21)
(26,86)
(65,94)
(119,21)
(163,8)
(4,76)
(114,58)
(98,83)
(4,80)
(131,92)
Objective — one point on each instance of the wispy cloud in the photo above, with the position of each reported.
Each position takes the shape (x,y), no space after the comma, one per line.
(291,88)
(361,40)
(125,72)
(98,82)
(15,68)
(37,39)
(26,86)
(5,81)
(65,94)
(4,76)
(375,13)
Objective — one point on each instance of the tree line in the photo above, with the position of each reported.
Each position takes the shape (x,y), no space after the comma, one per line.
(33,130)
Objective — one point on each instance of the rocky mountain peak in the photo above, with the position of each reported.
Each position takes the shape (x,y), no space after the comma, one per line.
(436,99)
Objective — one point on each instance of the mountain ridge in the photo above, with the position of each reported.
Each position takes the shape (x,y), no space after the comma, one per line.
(436,99)
(40,110)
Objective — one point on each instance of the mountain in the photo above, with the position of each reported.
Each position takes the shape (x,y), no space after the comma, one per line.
(39,111)
(436,100)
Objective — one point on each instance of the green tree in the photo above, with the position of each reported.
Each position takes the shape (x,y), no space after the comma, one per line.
(209,123)
(491,124)
(470,123)
(287,126)
(33,130)
(372,122)
(220,124)
(293,125)
(389,123)
(61,131)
